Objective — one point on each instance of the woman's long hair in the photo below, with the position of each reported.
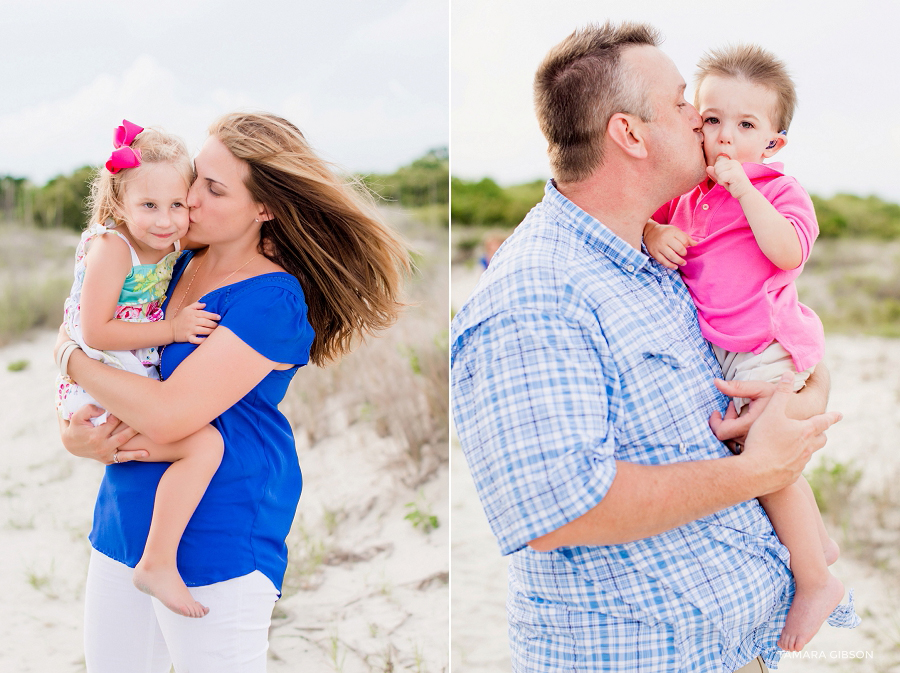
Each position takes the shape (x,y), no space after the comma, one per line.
(323,230)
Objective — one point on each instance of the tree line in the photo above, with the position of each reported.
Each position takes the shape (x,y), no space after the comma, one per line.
(485,203)
(62,201)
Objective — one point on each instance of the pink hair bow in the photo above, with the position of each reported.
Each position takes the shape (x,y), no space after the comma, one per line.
(124,156)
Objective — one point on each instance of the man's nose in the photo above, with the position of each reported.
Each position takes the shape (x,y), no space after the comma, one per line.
(696,119)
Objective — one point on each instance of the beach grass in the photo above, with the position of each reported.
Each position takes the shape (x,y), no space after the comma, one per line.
(35,277)
(396,380)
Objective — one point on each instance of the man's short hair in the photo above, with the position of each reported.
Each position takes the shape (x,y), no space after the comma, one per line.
(756,65)
(580,85)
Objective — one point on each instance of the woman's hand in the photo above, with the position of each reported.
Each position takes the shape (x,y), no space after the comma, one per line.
(81,438)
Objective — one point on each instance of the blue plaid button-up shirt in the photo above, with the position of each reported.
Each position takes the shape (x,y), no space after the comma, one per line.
(574,351)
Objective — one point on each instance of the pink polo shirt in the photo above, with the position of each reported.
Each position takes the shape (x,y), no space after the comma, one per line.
(744,302)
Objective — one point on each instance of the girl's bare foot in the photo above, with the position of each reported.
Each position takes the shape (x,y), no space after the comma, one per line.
(163,582)
(808,612)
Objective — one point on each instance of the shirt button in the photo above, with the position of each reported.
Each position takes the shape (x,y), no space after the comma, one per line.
(629,268)
(705,206)
(682,448)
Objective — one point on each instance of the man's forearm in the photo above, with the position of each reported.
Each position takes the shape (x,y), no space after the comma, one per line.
(645,500)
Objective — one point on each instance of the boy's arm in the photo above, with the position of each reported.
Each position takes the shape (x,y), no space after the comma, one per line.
(774,233)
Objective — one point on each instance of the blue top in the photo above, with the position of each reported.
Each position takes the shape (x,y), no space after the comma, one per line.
(244,517)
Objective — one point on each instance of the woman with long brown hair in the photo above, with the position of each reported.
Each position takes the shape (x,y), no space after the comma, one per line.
(299,266)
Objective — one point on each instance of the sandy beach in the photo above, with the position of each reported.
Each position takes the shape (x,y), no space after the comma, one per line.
(863,517)
(366,589)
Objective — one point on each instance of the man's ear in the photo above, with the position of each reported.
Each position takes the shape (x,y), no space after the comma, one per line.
(627,132)
(775,144)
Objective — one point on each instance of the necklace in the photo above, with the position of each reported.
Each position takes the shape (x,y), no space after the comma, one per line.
(222,282)
(188,291)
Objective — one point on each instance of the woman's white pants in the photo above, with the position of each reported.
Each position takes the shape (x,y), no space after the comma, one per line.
(127,631)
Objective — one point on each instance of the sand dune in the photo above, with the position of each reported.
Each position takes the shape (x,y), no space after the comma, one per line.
(368,590)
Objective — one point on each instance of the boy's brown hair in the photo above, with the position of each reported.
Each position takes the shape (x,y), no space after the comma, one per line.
(580,85)
(754,64)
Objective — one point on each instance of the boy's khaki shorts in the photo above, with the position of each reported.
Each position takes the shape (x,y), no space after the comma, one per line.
(767,366)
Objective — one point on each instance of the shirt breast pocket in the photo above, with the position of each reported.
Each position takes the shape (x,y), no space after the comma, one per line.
(655,383)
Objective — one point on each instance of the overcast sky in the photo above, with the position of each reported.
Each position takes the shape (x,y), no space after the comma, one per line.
(844,57)
(366,80)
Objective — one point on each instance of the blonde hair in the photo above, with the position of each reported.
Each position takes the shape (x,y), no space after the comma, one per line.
(580,85)
(108,189)
(323,230)
(756,65)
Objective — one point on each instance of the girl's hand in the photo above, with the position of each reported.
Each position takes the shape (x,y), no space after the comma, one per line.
(667,244)
(730,174)
(192,324)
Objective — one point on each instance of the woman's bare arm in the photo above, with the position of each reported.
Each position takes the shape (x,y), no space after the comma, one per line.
(210,380)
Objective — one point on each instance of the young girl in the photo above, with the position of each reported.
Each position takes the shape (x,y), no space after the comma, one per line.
(740,239)
(123,265)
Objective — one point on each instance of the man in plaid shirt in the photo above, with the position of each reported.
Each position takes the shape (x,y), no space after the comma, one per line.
(584,393)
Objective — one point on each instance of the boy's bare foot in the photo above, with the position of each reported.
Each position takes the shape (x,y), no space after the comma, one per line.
(165,584)
(808,612)
(832,551)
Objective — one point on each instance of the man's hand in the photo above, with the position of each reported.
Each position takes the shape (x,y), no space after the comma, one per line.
(103,442)
(810,401)
(667,244)
(734,427)
(730,174)
(778,447)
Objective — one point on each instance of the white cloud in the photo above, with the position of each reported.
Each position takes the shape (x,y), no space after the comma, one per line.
(61,134)
(366,81)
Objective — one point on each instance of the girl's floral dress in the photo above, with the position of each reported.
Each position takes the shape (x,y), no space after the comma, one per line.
(142,296)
